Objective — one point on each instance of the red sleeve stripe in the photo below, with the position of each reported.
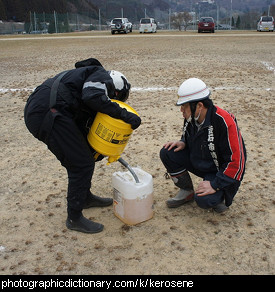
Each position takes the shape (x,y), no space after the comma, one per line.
(235,166)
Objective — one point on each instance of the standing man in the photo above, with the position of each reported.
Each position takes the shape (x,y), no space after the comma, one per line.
(211,147)
(60,112)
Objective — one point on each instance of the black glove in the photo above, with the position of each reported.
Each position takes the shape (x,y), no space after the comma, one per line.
(130,118)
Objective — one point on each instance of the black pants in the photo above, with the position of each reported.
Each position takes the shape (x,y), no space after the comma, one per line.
(177,162)
(70,147)
(65,140)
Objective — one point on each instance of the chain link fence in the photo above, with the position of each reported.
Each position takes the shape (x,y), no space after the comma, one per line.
(53,23)
(39,23)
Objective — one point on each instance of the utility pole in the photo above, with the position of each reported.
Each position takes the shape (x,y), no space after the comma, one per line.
(217,16)
(99,19)
(231,15)
(169,21)
(55,21)
(35,22)
(30,29)
(44,22)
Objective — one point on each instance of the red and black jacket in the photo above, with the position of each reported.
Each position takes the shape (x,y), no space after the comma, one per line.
(217,147)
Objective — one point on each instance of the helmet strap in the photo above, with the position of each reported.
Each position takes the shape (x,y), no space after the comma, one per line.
(193,106)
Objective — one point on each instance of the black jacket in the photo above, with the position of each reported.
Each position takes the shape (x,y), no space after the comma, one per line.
(86,90)
(82,92)
(217,147)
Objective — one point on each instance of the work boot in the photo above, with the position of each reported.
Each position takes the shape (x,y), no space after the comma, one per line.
(186,192)
(84,225)
(181,198)
(95,201)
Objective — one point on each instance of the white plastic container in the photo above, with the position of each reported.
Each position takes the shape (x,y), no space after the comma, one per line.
(133,202)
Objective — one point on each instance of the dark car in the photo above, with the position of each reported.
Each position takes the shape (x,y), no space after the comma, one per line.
(206,24)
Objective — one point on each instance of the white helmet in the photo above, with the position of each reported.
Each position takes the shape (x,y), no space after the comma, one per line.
(193,89)
(122,86)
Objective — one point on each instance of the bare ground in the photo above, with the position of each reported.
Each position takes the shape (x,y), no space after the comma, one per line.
(239,68)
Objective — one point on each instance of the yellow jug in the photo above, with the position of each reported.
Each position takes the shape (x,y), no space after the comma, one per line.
(109,136)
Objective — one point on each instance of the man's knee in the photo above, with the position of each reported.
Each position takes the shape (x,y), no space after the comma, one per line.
(208,201)
(163,154)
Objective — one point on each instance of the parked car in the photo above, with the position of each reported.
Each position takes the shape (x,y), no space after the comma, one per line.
(206,24)
(147,25)
(265,23)
(121,25)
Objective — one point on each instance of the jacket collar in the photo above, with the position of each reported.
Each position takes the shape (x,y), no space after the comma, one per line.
(207,121)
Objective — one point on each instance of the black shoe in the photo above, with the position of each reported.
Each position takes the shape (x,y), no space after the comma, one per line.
(84,225)
(95,201)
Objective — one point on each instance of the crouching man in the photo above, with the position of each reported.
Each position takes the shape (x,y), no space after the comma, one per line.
(211,147)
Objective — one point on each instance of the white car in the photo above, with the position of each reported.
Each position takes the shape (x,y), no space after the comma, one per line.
(121,25)
(265,23)
(147,25)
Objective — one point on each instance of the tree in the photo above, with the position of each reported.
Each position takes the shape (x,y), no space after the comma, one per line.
(181,19)
(177,20)
(238,22)
(3,15)
(232,21)
(51,28)
(66,26)
(249,20)
(186,19)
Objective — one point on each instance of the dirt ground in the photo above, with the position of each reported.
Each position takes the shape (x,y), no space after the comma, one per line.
(239,69)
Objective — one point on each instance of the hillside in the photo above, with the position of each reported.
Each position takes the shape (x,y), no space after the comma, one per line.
(18,10)
(133,9)
(240,5)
